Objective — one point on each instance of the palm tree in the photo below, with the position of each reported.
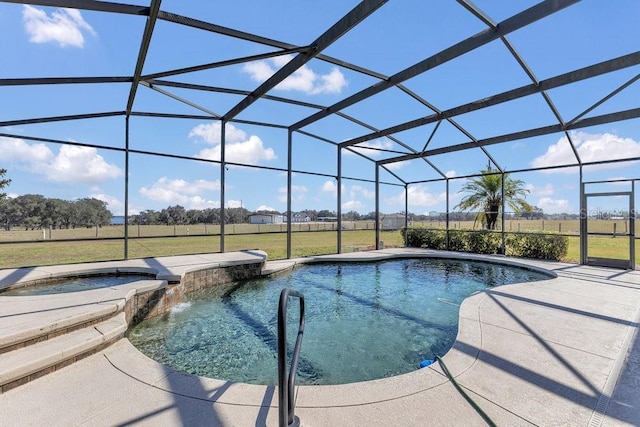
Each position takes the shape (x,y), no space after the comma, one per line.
(484,194)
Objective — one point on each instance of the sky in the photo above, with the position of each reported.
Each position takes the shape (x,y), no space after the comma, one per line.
(38,41)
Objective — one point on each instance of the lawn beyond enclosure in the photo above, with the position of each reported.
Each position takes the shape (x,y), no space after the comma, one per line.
(46,247)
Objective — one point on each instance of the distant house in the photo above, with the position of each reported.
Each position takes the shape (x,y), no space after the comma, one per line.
(265,219)
(392,221)
(299,217)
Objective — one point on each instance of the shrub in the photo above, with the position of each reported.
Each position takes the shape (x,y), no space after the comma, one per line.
(457,241)
(424,238)
(483,242)
(550,246)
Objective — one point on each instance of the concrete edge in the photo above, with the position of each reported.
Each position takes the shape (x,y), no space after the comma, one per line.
(55,351)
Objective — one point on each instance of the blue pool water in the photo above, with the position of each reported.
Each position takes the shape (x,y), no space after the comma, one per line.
(74,284)
(363,320)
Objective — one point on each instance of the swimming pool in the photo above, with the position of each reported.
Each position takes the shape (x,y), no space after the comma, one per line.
(74,284)
(363,320)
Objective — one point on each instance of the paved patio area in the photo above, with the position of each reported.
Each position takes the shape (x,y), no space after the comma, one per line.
(562,351)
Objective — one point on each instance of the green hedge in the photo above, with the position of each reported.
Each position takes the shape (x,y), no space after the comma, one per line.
(546,245)
(543,246)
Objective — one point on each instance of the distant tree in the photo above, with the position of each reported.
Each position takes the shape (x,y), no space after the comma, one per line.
(91,212)
(3,183)
(211,216)
(10,213)
(173,215)
(32,207)
(236,215)
(178,213)
(351,216)
(326,213)
(194,216)
(56,213)
(370,216)
(147,217)
(534,213)
(484,194)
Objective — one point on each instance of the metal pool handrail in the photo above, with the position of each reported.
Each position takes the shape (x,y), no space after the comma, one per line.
(286,380)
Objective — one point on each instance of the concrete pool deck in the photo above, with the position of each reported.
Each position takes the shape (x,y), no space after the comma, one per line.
(563,351)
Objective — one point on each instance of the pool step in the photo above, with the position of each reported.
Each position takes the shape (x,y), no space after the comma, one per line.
(25,364)
(40,334)
(57,321)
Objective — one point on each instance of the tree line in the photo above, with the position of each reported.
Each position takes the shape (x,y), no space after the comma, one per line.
(34,211)
(175,215)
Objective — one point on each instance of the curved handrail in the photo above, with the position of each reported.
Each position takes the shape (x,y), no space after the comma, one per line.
(286,380)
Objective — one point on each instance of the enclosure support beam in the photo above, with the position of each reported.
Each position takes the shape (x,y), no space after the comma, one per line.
(142,54)
(377,216)
(447,211)
(339,201)
(99,6)
(507,26)
(502,232)
(126,188)
(21,122)
(406,211)
(510,95)
(350,20)
(583,221)
(545,130)
(632,225)
(289,167)
(223,176)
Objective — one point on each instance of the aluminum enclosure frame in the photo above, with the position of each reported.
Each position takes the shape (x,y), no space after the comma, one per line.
(493,32)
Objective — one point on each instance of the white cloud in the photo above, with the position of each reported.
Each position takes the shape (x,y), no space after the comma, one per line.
(304,79)
(358,190)
(298,193)
(265,208)
(113,203)
(81,164)
(238,148)
(18,150)
(352,205)
(330,187)
(64,26)
(450,174)
(550,206)
(396,166)
(418,196)
(355,192)
(211,133)
(179,191)
(72,164)
(590,148)
(234,203)
(545,191)
(371,148)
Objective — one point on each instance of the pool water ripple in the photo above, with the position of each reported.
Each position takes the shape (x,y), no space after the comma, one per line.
(363,320)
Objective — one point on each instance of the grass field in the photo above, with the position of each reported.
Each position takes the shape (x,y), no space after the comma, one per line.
(20,248)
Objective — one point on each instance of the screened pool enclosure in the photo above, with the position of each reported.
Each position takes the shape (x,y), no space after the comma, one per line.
(323,119)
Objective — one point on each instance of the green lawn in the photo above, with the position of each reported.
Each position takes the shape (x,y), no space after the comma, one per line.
(30,249)
(304,243)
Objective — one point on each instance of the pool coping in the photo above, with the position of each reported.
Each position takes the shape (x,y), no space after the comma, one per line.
(467,360)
